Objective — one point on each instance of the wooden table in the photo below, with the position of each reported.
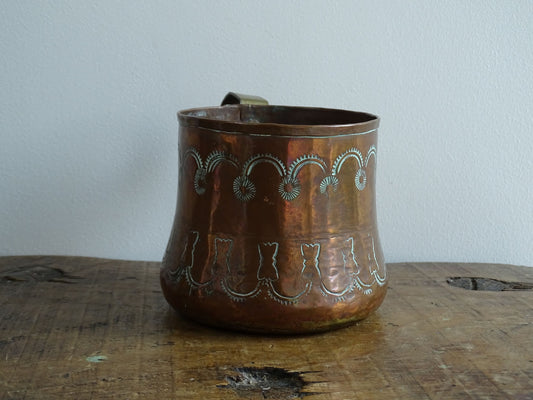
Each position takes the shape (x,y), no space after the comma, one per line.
(86,328)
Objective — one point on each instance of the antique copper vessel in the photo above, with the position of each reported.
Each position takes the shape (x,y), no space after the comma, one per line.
(275,228)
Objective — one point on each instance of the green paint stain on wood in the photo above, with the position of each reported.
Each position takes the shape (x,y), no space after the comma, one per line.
(96,359)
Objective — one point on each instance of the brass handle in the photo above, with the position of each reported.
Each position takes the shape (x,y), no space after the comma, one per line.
(239,98)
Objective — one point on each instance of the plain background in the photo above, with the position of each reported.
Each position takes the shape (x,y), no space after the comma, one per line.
(89,92)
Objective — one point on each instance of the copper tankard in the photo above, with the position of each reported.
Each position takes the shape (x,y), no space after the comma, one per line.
(275,227)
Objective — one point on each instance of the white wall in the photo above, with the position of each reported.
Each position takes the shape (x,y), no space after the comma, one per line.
(89,91)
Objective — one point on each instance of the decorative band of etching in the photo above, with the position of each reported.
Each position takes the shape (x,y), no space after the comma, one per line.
(268,274)
(289,188)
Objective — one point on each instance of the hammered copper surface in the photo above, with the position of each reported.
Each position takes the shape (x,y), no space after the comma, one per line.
(275,227)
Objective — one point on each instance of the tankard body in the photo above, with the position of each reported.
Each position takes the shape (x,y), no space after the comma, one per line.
(275,227)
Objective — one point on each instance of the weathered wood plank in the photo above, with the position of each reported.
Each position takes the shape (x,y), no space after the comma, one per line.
(86,328)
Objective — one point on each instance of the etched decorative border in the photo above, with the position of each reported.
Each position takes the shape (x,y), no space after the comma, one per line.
(289,188)
(268,274)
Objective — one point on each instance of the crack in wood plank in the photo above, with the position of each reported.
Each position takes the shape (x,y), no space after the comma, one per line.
(487,284)
(270,382)
(38,273)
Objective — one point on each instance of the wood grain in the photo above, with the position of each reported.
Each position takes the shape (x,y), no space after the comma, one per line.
(90,328)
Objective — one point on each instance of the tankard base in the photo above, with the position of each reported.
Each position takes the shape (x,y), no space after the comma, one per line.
(268,318)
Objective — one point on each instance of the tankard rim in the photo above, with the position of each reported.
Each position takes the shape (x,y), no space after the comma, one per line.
(275,120)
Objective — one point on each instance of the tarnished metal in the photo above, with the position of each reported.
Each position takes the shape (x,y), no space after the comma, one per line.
(240,98)
(275,227)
